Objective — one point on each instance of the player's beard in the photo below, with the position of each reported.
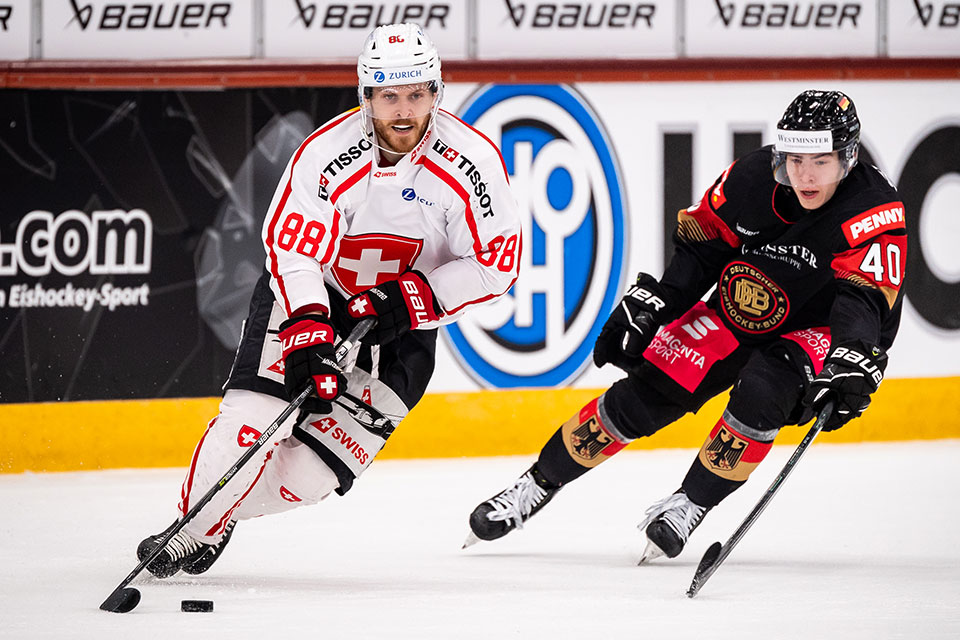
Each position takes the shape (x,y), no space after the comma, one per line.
(397,141)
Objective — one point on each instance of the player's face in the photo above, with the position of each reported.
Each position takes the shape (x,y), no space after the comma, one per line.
(814,177)
(401,115)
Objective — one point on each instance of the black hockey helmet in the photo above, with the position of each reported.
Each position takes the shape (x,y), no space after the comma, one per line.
(818,122)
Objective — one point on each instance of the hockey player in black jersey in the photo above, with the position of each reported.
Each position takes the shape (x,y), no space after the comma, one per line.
(806,248)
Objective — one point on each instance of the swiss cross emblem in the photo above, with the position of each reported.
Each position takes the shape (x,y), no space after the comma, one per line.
(324,425)
(277,367)
(247,436)
(370,259)
(365,396)
(324,180)
(451,154)
(326,386)
(359,306)
(288,495)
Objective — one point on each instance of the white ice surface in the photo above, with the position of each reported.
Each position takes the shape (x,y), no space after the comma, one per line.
(861,542)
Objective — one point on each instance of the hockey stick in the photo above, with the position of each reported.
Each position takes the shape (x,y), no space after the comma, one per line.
(716,554)
(124,598)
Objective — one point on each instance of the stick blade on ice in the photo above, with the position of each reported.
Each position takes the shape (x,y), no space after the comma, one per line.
(704,569)
(121,601)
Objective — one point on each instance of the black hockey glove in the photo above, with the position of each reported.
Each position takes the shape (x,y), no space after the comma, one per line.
(398,306)
(632,325)
(308,358)
(850,374)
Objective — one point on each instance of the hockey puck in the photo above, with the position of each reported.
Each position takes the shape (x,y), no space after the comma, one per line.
(191,606)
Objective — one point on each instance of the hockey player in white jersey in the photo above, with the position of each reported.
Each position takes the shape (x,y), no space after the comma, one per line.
(395,210)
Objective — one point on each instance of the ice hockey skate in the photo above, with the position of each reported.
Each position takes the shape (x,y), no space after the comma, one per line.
(510,508)
(668,525)
(183,552)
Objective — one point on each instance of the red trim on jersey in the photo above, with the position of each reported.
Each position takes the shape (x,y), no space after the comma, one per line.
(490,296)
(492,144)
(712,224)
(717,197)
(349,182)
(337,216)
(188,481)
(873,222)
(271,249)
(334,235)
(310,308)
(849,263)
(773,204)
(438,171)
(287,190)
(495,295)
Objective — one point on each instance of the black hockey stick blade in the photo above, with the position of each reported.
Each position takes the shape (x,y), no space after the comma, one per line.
(708,564)
(123,599)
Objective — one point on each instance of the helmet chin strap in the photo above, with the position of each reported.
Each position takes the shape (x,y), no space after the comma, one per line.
(374,139)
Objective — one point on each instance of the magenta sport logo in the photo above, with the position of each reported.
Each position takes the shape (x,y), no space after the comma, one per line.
(565,175)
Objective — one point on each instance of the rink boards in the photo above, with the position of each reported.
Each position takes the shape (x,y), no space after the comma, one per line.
(114,358)
(162,433)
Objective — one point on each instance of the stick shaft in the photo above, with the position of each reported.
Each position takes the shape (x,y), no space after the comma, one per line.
(705,570)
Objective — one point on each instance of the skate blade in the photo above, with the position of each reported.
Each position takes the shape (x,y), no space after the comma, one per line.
(652,552)
(471,540)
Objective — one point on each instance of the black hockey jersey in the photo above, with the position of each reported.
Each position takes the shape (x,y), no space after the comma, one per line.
(778,267)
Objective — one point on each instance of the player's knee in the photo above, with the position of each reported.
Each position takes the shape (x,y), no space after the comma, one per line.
(636,410)
(293,477)
(302,474)
(765,396)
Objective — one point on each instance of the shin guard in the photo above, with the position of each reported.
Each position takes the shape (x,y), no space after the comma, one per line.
(729,455)
(581,443)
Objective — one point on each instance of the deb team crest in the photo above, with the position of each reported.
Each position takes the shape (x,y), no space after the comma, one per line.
(566,178)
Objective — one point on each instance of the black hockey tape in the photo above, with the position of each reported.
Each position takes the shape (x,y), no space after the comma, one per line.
(191,606)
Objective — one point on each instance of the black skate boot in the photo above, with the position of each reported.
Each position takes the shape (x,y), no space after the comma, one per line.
(183,552)
(668,525)
(510,508)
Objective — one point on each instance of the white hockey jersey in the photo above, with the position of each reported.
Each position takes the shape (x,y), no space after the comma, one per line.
(445,209)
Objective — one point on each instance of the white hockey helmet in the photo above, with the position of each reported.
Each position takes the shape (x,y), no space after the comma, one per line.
(398,54)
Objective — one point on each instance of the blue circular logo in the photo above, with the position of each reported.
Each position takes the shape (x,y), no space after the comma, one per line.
(567,180)
(408,194)
(378,76)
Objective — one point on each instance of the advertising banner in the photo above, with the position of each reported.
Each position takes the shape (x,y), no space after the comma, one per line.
(311,29)
(130,234)
(130,226)
(666,143)
(590,29)
(737,28)
(923,29)
(16,19)
(107,29)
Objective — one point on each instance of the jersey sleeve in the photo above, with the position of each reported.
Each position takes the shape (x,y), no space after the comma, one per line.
(483,231)
(300,234)
(869,267)
(704,241)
